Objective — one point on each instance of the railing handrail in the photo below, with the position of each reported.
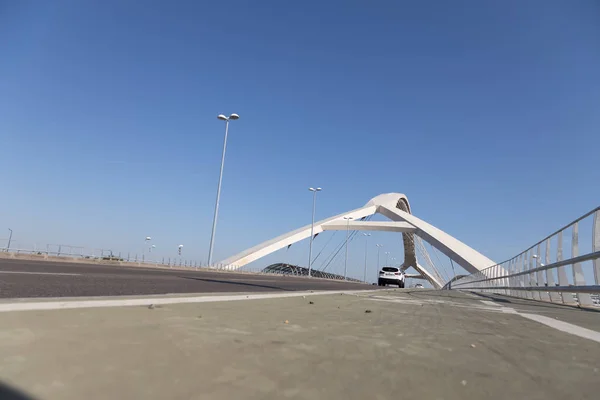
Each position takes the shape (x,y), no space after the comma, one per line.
(544,239)
(574,260)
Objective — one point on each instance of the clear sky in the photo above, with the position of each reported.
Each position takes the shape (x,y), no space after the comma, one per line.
(485,113)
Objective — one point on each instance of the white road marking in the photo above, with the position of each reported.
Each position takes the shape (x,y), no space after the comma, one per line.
(38,273)
(63,305)
(490,303)
(564,326)
(495,307)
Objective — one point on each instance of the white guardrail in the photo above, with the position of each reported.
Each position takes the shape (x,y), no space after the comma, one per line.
(563,275)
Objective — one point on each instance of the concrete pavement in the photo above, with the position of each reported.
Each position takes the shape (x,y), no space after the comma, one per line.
(411,344)
(27,278)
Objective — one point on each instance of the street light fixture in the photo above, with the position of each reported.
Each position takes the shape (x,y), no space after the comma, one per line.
(387,258)
(346,259)
(366,235)
(232,117)
(312,228)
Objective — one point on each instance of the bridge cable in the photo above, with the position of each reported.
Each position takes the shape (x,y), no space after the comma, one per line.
(440,261)
(335,253)
(326,244)
(440,272)
(421,248)
(351,236)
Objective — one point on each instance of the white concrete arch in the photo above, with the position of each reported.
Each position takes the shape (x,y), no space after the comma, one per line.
(396,207)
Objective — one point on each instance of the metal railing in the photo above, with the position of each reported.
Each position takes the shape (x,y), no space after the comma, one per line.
(563,276)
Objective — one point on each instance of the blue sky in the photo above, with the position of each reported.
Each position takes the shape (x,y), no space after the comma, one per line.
(484,113)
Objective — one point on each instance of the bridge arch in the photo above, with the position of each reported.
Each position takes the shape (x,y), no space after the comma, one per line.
(394,206)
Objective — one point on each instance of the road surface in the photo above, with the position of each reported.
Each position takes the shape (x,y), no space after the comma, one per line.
(396,344)
(23,278)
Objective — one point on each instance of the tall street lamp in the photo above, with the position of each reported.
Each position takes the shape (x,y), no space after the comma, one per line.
(346,259)
(379,246)
(9,239)
(312,228)
(366,235)
(214,227)
(387,258)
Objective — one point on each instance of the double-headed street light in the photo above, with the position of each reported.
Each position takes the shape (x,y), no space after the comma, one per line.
(214,227)
(366,235)
(346,259)
(312,228)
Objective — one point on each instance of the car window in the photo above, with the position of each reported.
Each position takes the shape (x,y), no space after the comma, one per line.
(390,269)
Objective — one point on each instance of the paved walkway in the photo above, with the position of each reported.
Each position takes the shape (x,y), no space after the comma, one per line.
(409,344)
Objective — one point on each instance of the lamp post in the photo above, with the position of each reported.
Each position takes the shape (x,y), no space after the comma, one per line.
(387,258)
(346,259)
(366,235)
(214,227)
(379,246)
(9,239)
(312,228)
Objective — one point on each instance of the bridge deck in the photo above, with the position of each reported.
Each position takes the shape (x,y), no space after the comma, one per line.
(413,344)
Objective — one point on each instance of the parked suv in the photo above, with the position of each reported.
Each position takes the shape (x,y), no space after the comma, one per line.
(391,276)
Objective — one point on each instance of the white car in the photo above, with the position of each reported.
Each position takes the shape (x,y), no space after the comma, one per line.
(419,286)
(391,276)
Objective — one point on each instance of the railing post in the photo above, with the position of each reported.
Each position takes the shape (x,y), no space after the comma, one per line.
(578,278)
(506,279)
(596,245)
(554,296)
(562,272)
(519,279)
(511,280)
(530,276)
(545,296)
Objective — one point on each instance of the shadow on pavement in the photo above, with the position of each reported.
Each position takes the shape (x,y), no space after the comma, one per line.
(235,283)
(10,393)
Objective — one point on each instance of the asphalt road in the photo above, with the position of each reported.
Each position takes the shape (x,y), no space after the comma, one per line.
(21,278)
